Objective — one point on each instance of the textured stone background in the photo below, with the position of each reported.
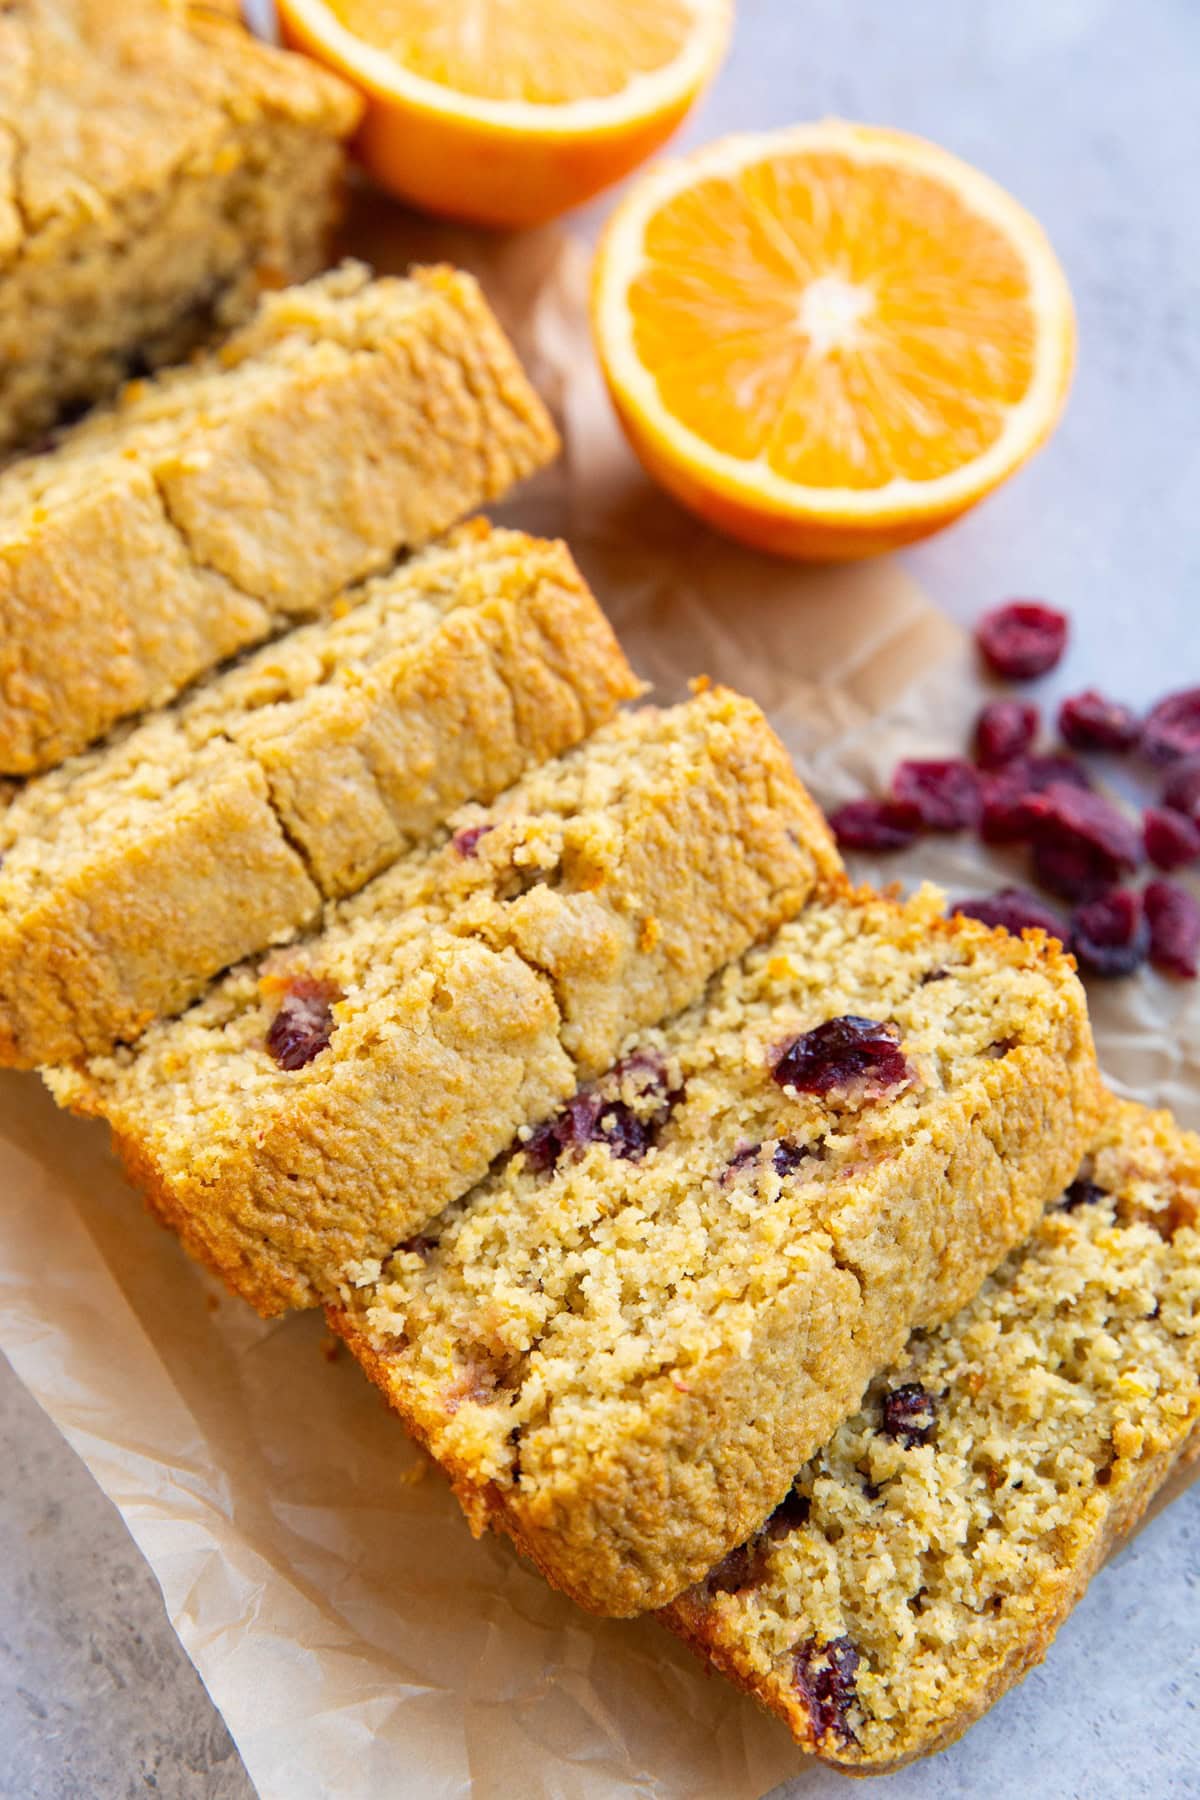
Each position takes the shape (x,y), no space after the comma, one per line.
(1088,110)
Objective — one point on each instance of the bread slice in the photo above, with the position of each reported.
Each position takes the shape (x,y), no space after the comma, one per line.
(309,1114)
(926,1556)
(133,874)
(158,167)
(350,419)
(625,1341)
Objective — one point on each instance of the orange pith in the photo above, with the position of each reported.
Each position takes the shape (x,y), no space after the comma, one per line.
(830,339)
(543,51)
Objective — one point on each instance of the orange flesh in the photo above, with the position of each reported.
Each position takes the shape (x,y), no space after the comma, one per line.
(546,52)
(901,363)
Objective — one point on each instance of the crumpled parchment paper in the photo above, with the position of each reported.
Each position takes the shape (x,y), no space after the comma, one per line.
(356,1639)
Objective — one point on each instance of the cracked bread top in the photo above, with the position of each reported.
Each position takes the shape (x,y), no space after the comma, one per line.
(349,420)
(158,168)
(467,991)
(306,770)
(925,1557)
(271,696)
(625,1340)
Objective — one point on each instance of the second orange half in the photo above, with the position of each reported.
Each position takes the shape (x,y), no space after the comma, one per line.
(832,339)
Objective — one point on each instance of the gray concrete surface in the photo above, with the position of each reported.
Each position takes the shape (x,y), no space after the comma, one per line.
(1088,110)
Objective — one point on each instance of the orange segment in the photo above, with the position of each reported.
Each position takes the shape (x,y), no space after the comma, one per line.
(830,339)
(546,52)
(506,112)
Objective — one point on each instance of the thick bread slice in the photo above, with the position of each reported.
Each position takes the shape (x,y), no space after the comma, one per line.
(925,1558)
(158,168)
(133,874)
(461,995)
(349,420)
(623,1343)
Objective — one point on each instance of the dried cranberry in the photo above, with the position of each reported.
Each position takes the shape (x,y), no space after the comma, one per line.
(1110,935)
(1089,721)
(1174,920)
(599,1115)
(842,1053)
(910,1414)
(745,1153)
(466,841)
(787,1157)
(1073,871)
(544,1145)
(826,1676)
(1022,639)
(791,1513)
(571,1129)
(1082,1193)
(303,1026)
(1066,815)
(1172,841)
(1015,910)
(945,795)
(1005,817)
(1054,765)
(626,1133)
(1181,789)
(1004,730)
(874,825)
(420,1245)
(1172,728)
(742,1568)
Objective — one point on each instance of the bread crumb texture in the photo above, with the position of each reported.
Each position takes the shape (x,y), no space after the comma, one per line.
(925,1557)
(158,168)
(217,503)
(463,995)
(133,874)
(625,1341)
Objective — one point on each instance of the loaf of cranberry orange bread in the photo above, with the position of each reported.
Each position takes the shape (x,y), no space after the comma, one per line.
(311,1112)
(625,1341)
(134,873)
(158,167)
(212,505)
(925,1557)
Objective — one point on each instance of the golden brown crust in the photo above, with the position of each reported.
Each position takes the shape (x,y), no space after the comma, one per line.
(785,1278)
(694,1625)
(347,421)
(133,875)
(448,1037)
(136,927)
(1072,1385)
(158,167)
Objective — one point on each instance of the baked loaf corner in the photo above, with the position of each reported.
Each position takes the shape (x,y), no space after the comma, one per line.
(215,504)
(159,167)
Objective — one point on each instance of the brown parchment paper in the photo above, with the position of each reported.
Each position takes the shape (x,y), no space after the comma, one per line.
(358,1642)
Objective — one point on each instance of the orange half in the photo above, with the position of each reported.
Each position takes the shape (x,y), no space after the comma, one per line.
(833,339)
(507,112)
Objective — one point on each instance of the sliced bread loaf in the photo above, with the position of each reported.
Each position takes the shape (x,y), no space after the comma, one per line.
(212,505)
(311,1112)
(133,874)
(625,1341)
(925,1557)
